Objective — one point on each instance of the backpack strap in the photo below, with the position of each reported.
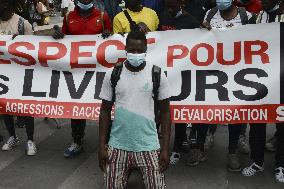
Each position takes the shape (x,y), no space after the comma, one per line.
(211,14)
(243,15)
(67,20)
(156,79)
(115,76)
(133,25)
(102,20)
(21,26)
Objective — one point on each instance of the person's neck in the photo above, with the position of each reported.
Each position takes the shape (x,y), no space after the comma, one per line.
(85,13)
(230,13)
(138,9)
(134,69)
(6,16)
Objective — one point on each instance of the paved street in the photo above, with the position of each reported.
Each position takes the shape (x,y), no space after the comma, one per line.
(50,170)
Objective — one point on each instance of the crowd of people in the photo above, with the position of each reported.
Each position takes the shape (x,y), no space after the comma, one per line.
(131,140)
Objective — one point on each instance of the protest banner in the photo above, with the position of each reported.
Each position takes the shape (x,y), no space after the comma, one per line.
(220,76)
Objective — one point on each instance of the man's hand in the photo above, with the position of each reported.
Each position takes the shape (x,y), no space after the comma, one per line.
(206,25)
(106,34)
(58,34)
(164,160)
(103,159)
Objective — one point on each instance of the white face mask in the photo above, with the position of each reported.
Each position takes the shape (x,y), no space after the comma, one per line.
(136,59)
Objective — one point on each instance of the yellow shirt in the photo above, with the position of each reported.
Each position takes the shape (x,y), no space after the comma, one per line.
(146,15)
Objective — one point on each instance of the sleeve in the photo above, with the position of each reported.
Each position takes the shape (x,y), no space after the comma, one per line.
(164,89)
(157,21)
(117,28)
(28,28)
(64,26)
(107,22)
(106,91)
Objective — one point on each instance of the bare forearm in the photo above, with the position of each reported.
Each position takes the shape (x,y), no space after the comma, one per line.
(166,130)
(104,124)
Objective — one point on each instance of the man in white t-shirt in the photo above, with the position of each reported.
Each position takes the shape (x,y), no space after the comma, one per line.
(133,133)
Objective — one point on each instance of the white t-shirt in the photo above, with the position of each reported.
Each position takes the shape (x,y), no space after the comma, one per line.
(10,27)
(134,127)
(218,22)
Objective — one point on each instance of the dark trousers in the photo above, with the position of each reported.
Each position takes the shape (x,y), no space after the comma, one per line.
(279,157)
(235,130)
(180,136)
(197,128)
(201,131)
(78,130)
(212,129)
(29,124)
(257,139)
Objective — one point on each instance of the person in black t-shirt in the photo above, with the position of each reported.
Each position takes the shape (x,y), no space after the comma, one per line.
(177,17)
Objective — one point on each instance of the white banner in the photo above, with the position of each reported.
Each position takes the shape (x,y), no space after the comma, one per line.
(216,76)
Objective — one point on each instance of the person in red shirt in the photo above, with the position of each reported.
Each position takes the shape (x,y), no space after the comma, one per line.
(84,20)
(252,6)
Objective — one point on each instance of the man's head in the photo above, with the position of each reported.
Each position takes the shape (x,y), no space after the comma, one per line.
(6,9)
(136,47)
(224,4)
(134,5)
(85,5)
(174,6)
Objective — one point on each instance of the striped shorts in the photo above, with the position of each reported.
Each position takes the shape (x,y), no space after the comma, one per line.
(122,162)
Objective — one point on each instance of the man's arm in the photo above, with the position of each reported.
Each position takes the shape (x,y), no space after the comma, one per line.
(104,126)
(166,132)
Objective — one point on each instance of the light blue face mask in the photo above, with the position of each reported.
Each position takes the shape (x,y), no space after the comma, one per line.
(136,59)
(224,4)
(85,7)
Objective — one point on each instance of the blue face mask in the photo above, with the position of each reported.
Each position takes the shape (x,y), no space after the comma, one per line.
(223,4)
(136,60)
(85,7)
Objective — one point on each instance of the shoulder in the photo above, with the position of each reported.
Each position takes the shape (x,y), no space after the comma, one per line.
(73,13)
(119,16)
(149,11)
(16,17)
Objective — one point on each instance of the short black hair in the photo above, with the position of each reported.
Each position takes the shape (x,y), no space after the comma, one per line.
(136,35)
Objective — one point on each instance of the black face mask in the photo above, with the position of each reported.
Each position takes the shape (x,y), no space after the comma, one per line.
(133,5)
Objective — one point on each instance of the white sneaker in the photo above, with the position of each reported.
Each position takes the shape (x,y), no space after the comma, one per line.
(174,159)
(279,174)
(11,142)
(252,170)
(31,148)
